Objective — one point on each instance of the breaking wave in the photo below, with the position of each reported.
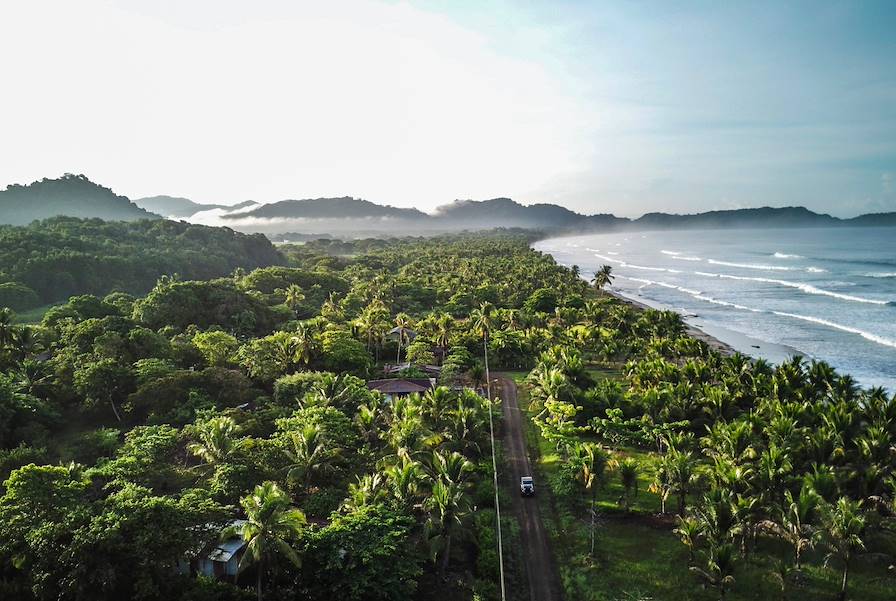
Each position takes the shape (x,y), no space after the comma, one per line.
(841,327)
(807,288)
(684,258)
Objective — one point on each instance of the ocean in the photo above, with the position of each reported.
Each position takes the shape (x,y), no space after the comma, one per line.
(825,293)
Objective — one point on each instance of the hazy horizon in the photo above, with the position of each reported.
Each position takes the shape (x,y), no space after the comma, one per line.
(623,109)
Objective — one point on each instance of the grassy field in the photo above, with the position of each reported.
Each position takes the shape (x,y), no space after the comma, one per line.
(638,557)
(32,316)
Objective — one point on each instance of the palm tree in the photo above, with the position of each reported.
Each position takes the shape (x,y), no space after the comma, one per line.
(795,521)
(294,298)
(302,345)
(845,525)
(719,568)
(368,490)
(217,442)
(34,377)
(628,473)
(589,462)
(452,467)
(442,334)
(403,329)
(602,277)
(483,321)
(272,524)
(679,472)
(7,330)
(404,479)
(447,507)
(310,454)
(689,531)
(25,343)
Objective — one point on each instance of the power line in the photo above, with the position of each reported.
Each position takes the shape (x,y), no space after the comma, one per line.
(491,427)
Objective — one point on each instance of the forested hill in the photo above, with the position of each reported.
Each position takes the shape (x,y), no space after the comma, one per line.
(50,260)
(363,218)
(72,195)
(331,208)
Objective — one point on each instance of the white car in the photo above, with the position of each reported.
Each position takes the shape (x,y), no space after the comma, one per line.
(527,486)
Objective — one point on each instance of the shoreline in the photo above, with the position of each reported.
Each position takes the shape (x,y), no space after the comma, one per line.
(691,330)
(723,340)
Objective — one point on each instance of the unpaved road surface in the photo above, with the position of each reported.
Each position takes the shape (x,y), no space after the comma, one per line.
(541,571)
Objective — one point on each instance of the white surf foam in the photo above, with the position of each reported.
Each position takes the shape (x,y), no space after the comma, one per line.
(824,322)
(682,258)
(807,288)
(780,255)
(752,266)
(694,293)
(674,253)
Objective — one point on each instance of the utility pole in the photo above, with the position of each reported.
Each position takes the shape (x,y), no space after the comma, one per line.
(491,426)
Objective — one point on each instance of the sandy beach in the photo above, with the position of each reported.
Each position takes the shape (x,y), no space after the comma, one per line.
(712,335)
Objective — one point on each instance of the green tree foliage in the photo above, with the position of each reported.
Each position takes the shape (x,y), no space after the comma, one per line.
(227,385)
(367,554)
(204,304)
(64,256)
(216,347)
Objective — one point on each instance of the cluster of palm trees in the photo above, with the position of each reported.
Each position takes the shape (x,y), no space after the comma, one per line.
(429,445)
(747,450)
(422,451)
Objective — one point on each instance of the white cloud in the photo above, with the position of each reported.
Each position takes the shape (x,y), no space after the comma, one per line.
(227,101)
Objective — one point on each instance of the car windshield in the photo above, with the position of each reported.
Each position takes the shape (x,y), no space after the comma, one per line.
(527,480)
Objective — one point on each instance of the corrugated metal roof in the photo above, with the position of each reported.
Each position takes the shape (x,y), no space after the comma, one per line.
(226,550)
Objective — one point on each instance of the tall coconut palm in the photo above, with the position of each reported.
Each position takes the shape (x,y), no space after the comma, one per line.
(403,329)
(217,440)
(272,525)
(602,277)
(483,322)
(845,526)
(309,455)
(447,507)
(590,463)
(294,298)
(442,333)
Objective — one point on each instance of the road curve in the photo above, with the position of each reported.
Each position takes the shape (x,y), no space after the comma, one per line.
(541,570)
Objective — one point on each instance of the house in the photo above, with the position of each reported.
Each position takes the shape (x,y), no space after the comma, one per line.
(399,387)
(222,559)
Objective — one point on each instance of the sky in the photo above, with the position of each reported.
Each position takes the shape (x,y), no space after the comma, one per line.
(603,107)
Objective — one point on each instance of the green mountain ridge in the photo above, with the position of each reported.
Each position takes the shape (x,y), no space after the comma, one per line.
(70,195)
(77,196)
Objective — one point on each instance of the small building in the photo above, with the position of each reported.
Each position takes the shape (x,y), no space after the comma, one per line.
(222,559)
(398,387)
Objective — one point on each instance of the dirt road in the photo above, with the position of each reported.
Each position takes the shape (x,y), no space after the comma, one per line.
(541,571)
